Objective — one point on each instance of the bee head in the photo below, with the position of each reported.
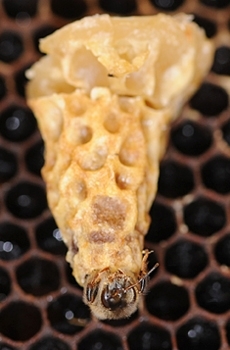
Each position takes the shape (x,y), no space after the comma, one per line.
(111,296)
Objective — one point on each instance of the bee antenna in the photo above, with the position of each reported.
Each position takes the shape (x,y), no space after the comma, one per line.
(143,277)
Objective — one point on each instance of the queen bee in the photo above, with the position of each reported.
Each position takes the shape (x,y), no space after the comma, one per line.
(104,97)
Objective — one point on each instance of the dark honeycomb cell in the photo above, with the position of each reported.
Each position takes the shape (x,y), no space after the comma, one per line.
(216,174)
(8,164)
(41,33)
(38,276)
(163,224)
(222,250)
(21,80)
(11,46)
(5,285)
(210,100)
(185,259)
(221,64)
(14,7)
(198,334)
(34,158)
(69,8)
(4,346)
(20,321)
(167,5)
(226,132)
(216,3)
(190,138)
(2,88)
(212,293)
(13,241)
(167,301)
(208,25)
(50,343)
(68,314)
(121,7)
(204,217)
(26,200)
(49,237)
(100,340)
(148,337)
(17,123)
(175,180)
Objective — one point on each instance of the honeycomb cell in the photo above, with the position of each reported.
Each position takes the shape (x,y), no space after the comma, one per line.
(69,9)
(14,7)
(20,321)
(222,250)
(221,64)
(175,180)
(4,346)
(11,46)
(167,5)
(50,343)
(191,138)
(2,88)
(34,158)
(198,334)
(163,224)
(49,237)
(167,301)
(42,32)
(210,100)
(14,241)
(26,200)
(68,314)
(216,3)
(120,7)
(216,174)
(149,337)
(5,285)
(209,26)
(185,259)
(226,132)
(8,165)
(204,217)
(38,276)
(212,293)
(17,123)
(99,339)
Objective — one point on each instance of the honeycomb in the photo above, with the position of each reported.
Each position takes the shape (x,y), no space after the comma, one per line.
(187,306)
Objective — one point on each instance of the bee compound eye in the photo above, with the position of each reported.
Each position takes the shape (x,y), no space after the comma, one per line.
(91,292)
